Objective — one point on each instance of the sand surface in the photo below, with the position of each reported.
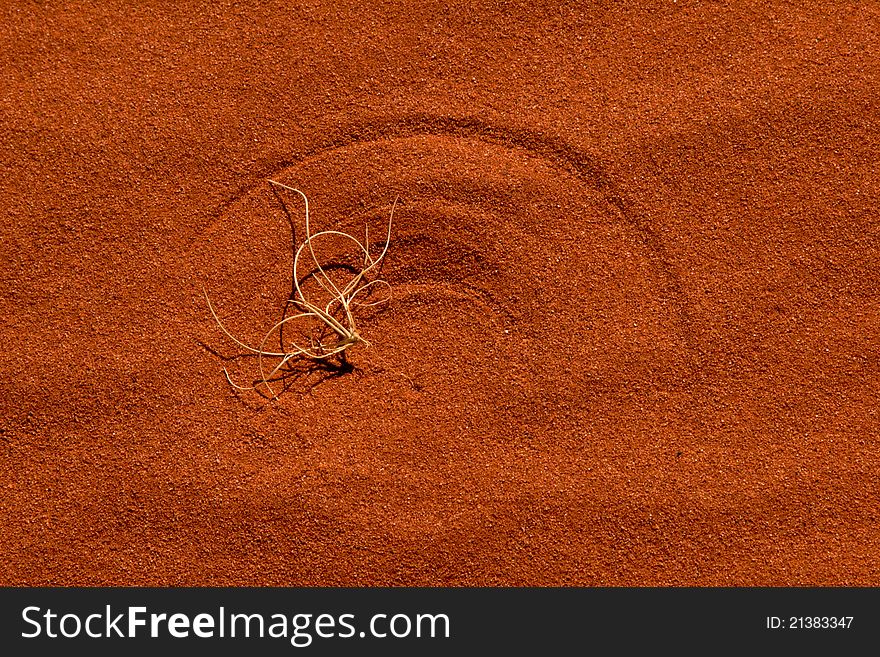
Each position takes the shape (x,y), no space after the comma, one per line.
(635,329)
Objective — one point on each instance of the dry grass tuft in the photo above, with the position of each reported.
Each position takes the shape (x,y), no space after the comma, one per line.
(326,328)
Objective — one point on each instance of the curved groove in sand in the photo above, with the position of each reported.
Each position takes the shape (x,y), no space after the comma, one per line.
(554,152)
(459,290)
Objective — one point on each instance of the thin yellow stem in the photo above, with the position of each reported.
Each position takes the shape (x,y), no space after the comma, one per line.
(344,327)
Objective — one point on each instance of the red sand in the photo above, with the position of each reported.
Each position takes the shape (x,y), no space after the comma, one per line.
(636,269)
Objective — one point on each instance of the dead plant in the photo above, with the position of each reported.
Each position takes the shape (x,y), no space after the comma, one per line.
(329,326)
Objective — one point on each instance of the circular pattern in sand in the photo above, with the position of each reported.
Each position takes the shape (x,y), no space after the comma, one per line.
(525,303)
(507,266)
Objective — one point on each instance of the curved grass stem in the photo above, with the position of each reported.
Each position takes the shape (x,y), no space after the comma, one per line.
(334,319)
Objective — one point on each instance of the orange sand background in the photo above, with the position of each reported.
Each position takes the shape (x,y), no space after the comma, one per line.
(636,266)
